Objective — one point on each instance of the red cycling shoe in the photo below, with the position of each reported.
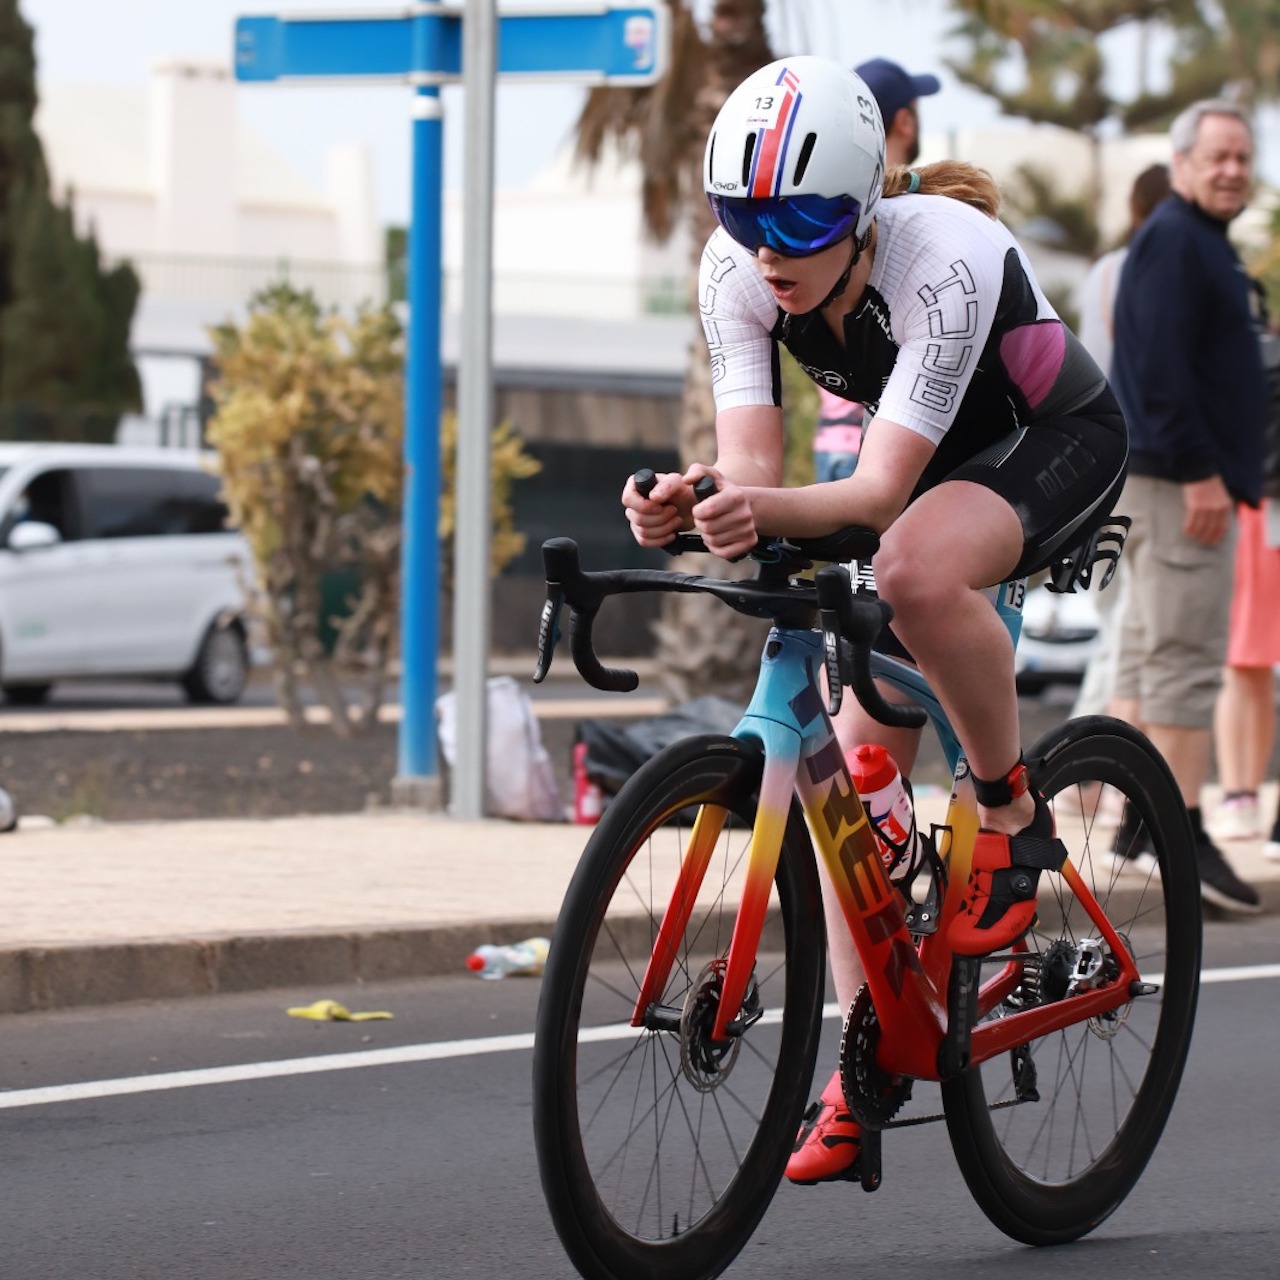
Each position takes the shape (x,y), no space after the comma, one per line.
(1000,900)
(829,1140)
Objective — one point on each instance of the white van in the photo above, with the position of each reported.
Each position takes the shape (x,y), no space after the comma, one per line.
(118,562)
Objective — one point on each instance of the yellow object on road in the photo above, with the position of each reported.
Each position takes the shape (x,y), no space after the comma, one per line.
(332,1011)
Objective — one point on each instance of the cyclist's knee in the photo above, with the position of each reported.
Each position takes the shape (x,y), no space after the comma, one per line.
(909,582)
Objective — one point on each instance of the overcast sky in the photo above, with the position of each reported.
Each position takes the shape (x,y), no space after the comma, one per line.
(116,41)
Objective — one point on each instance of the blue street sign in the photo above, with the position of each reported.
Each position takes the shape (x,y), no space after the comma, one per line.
(592,42)
(421,45)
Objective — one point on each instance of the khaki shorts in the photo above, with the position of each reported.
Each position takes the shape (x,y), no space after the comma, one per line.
(1173,635)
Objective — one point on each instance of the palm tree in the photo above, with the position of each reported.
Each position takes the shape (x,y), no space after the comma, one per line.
(665,127)
(1233,46)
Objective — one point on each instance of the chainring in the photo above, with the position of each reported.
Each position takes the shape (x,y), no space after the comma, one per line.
(872,1094)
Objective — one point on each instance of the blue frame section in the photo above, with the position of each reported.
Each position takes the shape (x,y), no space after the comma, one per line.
(786,697)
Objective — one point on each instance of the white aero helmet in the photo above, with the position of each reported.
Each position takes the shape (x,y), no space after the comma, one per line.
(795,159)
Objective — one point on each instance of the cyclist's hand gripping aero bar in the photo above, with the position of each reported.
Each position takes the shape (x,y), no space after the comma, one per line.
(857,620)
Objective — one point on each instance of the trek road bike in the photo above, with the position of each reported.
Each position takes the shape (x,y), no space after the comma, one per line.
(682,1002)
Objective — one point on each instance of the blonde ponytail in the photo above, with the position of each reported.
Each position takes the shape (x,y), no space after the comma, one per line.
(952,178)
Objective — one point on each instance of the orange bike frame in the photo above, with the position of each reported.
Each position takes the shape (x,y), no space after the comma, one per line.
(908,978)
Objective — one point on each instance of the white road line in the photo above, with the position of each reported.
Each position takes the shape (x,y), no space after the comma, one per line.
(197,1079)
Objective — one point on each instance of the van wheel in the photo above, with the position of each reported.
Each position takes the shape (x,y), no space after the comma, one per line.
(221,669)
(27,695)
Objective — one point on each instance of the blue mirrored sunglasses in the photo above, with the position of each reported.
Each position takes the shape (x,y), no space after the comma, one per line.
(794,226)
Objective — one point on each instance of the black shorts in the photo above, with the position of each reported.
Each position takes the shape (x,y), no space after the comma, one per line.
(1061,475)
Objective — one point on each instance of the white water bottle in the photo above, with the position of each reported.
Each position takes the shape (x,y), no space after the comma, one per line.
(888,804)
(525,958)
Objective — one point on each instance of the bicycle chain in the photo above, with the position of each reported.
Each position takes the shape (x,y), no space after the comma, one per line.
(872,1094)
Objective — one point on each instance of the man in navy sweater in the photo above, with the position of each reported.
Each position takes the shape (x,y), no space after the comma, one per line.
(1187,370)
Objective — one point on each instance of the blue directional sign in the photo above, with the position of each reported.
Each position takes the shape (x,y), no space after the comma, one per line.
(592,42)
(421,45)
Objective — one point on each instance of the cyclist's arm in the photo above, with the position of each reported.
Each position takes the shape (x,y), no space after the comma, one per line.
(749,444)
(893,458)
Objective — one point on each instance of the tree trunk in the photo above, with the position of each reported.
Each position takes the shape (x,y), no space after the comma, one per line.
(703,647)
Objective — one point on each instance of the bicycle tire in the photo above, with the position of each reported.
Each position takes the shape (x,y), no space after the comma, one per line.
(644,1173)
(1052,1169)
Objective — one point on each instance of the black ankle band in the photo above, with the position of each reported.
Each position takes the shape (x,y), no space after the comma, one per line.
(995,794)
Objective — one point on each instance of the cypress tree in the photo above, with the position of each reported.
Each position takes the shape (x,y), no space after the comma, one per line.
(65,368)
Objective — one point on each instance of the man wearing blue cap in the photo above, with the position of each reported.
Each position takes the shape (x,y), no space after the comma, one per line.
(896,91)
(838,438)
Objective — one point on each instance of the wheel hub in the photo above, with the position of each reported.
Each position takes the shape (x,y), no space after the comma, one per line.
(706,1063)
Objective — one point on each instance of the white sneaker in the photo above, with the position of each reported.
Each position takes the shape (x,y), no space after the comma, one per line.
(1237,819)
(1142,862)
(1098,805)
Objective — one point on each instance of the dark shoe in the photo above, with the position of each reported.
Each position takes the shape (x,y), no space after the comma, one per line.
(827,1146)
(1131,849)
(1000,902)
(1220,885)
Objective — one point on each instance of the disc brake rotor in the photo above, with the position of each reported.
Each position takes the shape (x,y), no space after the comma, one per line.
(705,1062)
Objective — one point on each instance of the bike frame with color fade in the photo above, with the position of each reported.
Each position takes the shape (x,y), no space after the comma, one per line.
(908,977)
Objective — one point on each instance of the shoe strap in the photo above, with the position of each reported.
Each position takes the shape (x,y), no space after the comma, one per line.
(998,792)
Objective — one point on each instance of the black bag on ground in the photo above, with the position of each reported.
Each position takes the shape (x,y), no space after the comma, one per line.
(617,748)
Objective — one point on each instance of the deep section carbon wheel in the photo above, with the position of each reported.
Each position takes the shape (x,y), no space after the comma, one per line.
(1053,1136)
(660,1146)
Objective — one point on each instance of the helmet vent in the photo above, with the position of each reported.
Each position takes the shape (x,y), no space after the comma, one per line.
(806,150)
(747,152)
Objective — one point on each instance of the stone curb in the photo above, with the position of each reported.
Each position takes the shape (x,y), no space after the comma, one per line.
(42,979)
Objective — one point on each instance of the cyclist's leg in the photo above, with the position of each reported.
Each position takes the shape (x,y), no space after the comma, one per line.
(1005,513)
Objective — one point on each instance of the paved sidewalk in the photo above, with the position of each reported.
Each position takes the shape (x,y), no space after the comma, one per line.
(96,913)
(99,913)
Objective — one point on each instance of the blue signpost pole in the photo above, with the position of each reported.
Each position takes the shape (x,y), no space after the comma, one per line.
(417,781)
(592,41)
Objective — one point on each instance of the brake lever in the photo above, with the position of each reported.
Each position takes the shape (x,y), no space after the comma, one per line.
(567,581)
(548,630)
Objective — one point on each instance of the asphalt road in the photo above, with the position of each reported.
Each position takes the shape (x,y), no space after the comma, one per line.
(425,1168)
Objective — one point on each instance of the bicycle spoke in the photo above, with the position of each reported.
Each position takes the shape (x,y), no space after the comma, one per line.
(1049,1168)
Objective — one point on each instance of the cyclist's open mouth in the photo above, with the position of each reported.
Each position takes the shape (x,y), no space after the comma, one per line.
(782,288)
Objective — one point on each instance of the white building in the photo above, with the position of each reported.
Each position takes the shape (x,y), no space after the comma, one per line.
(573,243)
(208,213)
(204,210)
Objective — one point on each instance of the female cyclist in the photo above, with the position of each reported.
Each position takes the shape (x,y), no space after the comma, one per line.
(994,443)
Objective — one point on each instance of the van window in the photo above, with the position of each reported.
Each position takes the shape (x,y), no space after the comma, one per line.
(140,502)
(47,498)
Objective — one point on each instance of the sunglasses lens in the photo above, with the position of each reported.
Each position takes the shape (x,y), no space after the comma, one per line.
(794,226)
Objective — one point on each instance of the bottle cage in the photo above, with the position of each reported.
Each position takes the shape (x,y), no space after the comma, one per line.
(1075,568)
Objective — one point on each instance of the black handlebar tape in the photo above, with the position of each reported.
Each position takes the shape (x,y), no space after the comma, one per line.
(566,580)
(704,487)
(644,480)
(593,671)
(860,623)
